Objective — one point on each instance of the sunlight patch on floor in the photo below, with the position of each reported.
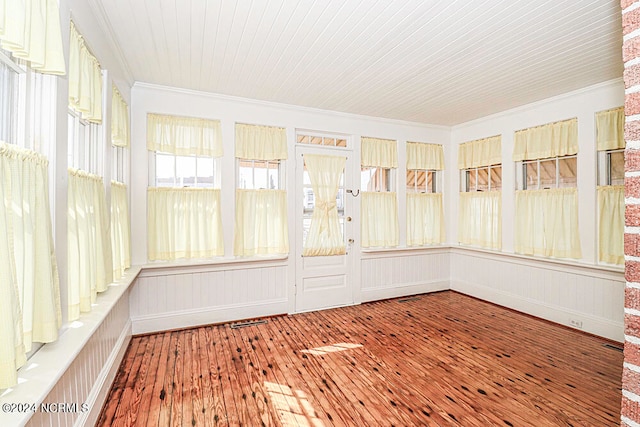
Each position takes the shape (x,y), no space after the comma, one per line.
(292,406)
(319,351)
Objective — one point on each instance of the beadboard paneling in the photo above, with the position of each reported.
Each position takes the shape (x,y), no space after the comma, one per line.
(400,273)
(591,296)
(174,298)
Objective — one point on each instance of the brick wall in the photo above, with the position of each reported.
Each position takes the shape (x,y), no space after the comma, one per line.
(630,415)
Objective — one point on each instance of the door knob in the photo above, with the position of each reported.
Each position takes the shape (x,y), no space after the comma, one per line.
(351,240)
(348,219)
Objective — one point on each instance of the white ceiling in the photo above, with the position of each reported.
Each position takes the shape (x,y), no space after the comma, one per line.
(438,62)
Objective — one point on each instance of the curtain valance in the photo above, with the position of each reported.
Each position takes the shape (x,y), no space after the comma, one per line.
(425,156)
(550,140)
(119,119)
(85,79)
(382,153)
(480,152)
(256,142)
(610,129)
(30,29)
(184,136)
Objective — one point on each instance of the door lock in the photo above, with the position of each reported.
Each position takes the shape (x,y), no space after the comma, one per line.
(351,241)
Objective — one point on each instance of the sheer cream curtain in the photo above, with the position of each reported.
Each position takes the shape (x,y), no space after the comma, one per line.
(480,152)
(120,231)
(184,136)
(610,136)
(611,224)
(325,234)
(261,226)
(550,140)
(425,214)
(90,264)
(480,219)
(546,223)
(610,129)
(30,29)
(425,219)
(379,210)
(85,79)
(184,223)
(29,288)
(480,213)
(119,120)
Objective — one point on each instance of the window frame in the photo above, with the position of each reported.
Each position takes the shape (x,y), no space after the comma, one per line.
(389,178)
(521,173)
(605,167)
(435,181)
(153,176)
(466,180)
(279,185)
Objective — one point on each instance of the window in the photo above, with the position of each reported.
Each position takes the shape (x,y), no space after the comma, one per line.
(329,141)
(611,167)
(421,181)
(185,171)
(118,163)
(556,172)
(9,99)
(85,144)
(487,178)
(376,179)
(259,175)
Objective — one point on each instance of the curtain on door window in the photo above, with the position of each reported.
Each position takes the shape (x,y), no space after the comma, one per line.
(85,79)
(379,211)
(325,234)
(90,264)
(29,288)
(120,232)
(546,223)
(480,213)
(480,219)
(184,223)
(261,226)
(31,31)
(425,214)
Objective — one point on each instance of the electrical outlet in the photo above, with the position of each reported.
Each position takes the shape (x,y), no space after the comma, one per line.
(575,323)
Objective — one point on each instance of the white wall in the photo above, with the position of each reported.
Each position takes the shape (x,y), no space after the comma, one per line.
(579,290)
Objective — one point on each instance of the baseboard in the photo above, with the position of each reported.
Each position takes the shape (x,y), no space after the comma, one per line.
(591,324)
(403,290)
(100,391)
(192,318)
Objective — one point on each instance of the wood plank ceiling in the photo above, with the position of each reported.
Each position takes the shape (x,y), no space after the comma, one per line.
(438,62)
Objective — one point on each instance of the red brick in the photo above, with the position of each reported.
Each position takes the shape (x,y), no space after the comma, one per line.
(626,3)
(632,353)
(631,76)
(632,326)
(631,157)
(632,186)
(632,102)
(631,49)
(632,130)
(632,244)
(632,298)
(632,215)
(631,381)
(630,409)
(630,21)
(632,271)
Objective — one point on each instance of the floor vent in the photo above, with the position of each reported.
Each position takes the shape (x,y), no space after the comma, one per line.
(409,299)
(613,347)
(248,323)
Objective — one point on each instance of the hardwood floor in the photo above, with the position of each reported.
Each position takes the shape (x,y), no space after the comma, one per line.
(441,359)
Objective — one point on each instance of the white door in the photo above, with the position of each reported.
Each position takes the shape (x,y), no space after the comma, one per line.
(323,281)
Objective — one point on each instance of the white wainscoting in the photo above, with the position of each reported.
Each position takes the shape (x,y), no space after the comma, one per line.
(79,368)
(591,296)
(397,273)
(173,298)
